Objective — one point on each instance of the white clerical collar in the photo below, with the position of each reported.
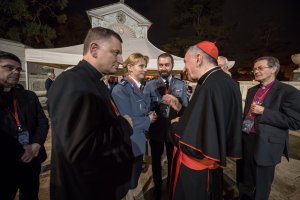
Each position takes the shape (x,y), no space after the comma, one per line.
(136,82)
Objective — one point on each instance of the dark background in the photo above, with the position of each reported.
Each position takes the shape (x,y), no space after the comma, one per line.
(258,28)
(250,16)
(257,22)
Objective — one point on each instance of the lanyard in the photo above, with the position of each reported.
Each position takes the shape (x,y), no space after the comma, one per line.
(15,113)
(111,101)
(114,107)
(134,83)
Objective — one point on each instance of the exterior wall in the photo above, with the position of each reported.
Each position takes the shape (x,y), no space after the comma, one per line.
(245,85)
(296,75)
(129,28)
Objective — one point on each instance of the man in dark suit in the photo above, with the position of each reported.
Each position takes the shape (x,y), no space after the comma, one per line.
(154,91)
(271,109)
(91,148)
(49,80)
(23,128)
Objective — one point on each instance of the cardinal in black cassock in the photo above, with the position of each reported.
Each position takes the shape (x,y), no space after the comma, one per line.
(208,131)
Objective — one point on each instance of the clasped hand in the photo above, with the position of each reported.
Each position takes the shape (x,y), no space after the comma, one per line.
(257,109)
(31,151)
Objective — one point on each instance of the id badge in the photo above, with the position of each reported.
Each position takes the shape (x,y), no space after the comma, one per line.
(247,125)
(23,137)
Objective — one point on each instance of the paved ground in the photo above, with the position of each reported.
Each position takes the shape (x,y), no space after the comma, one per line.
(294,145)
(286,184)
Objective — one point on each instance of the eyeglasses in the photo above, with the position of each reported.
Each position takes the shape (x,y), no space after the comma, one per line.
(11,68)
(259,68)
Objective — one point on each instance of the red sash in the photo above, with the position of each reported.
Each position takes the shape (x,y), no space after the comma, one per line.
(190,162)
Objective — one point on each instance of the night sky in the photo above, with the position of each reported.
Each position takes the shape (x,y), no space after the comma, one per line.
(249,16)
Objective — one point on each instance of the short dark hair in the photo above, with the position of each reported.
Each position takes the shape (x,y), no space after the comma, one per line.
(166,55)
(271,62)
(98,33)
(7,55)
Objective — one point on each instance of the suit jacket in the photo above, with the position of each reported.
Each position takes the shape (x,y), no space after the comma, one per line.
(48,83)
(131,101)
(281,113)
(91,149)
(32,118)
(154,91)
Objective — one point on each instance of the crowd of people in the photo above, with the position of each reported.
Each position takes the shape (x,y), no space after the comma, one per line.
(99,131)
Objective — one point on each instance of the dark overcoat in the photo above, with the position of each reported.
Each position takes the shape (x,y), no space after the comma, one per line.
(91,148)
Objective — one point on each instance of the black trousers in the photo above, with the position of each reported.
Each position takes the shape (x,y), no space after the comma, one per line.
(254,181)
(157,149)
(198,184)
(22,176)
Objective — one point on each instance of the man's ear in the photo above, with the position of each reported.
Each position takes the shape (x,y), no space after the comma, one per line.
(274,70)
(93,49)
(199,59)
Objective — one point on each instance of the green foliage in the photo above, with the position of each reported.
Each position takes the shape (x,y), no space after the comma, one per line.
(202,15)
(31,22)
(73,31)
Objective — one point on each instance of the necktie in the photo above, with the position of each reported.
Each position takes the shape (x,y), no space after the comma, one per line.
(141,87)
(167,84)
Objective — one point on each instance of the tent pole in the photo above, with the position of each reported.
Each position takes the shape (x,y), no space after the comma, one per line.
(26,76)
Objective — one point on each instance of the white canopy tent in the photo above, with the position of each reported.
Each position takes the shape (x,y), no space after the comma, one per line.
(71,55)
(132,26)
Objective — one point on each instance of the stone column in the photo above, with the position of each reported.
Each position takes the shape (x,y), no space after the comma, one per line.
(296,73)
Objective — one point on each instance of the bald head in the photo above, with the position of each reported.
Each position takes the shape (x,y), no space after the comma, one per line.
(223,63)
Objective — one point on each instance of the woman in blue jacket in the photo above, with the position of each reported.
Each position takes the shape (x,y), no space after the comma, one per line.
(131,101)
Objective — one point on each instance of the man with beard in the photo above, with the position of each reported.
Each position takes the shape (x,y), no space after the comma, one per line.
(208,130)
(154,91)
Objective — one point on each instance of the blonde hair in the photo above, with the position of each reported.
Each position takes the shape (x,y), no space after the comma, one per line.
(135,58)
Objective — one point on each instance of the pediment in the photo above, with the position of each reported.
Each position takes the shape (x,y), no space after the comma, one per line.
(121,18)
(117,8)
